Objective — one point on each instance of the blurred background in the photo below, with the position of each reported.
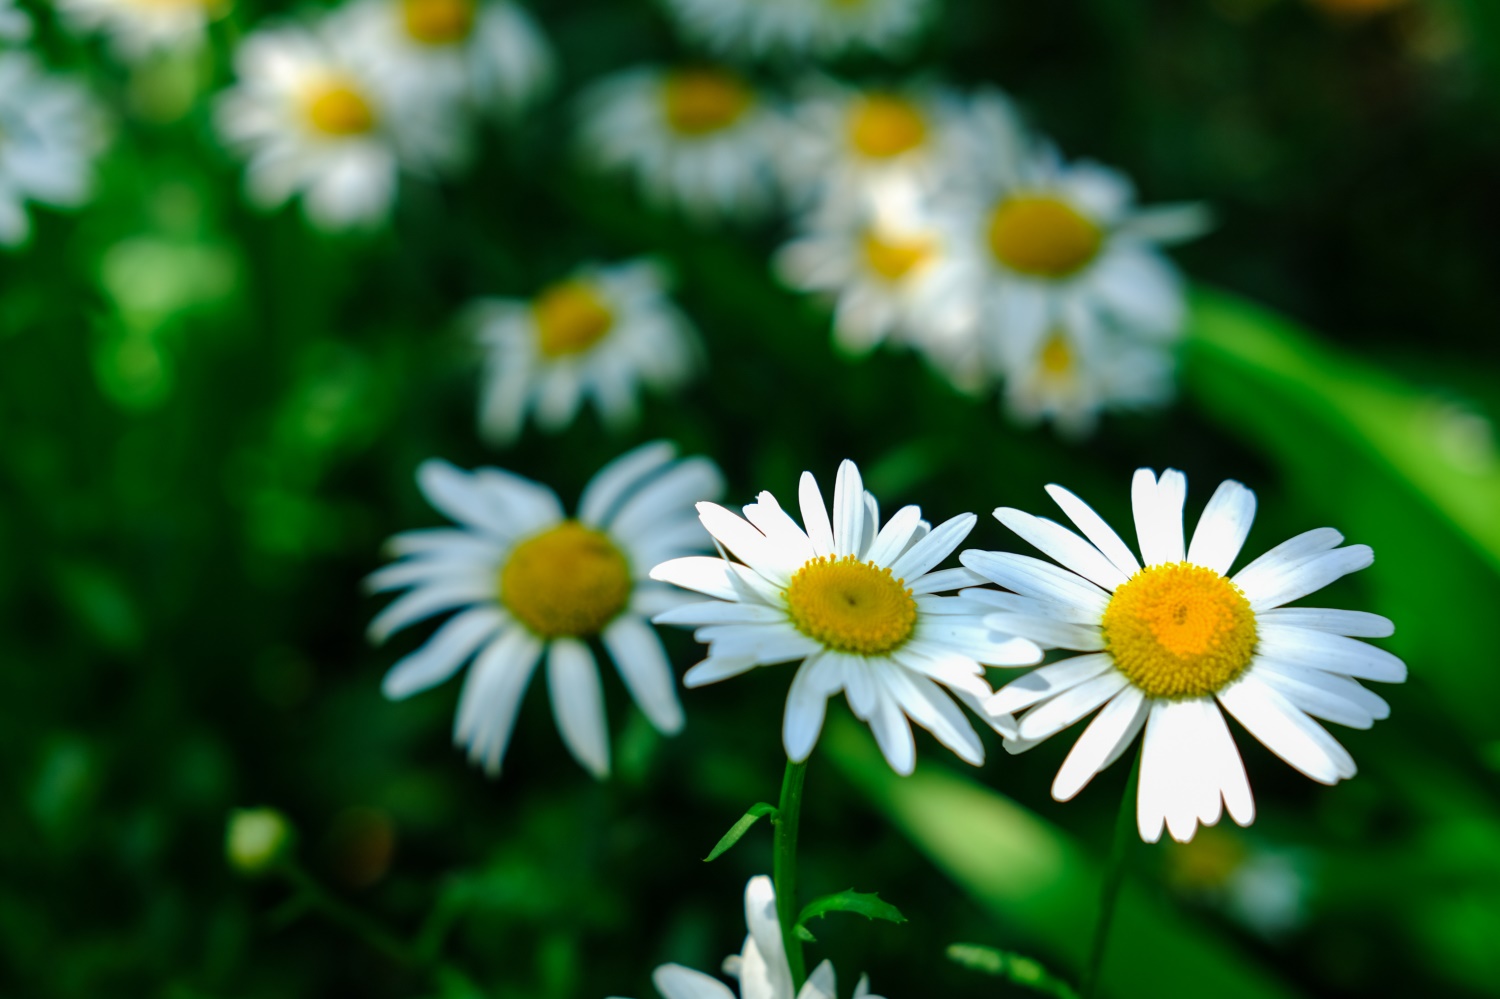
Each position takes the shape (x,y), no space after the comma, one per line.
(210,418)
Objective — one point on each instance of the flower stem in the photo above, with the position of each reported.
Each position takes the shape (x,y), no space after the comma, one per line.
(784,868)
(1114,877)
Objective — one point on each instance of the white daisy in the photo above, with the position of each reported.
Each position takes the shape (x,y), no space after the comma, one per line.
(891,275)
(843,141)
(1170,644)
(51,132)
(1061,244)
(761,967)
(698,138)
(856,604)
(489,54)
(312,113)
(602,332)
(138,28)
(1069,379)
(802,27)
(525,580)
(15,23)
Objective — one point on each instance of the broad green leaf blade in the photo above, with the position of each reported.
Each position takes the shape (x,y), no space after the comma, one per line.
(1032,876)
(867,904)
(1015,968)
(757,811)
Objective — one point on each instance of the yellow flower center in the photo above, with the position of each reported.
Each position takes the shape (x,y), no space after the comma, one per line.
(339,109)
(894,259)
(883,126)
(570,318)
(701,101)
(1042,236)
(851,606)
(438,22)
(1057,357)
(567,582)
(1179,630)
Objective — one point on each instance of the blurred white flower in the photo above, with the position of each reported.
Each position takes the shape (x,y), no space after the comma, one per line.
(489,54)
(761,966)
(891,275)
(15,23)
(138,28)
(855,603)
(51,132)
(601,333)
(528,580)
(316,117)
(1070,379)
(1172,646)
(698,138)
(822,28)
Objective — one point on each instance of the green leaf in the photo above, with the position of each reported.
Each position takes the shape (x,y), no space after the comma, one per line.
(1015,968)
(867,904)
(757,810)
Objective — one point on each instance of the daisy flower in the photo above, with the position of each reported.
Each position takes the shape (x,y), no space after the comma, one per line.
(821,28)
(602,332)
(311,114)
(1069,379)
(139,28)
(761,967)
(698,138)
(855,603)
(51,131)
(15,23)
(485,53)
(1172,641)
(891,275)
(526,580)
(1059,243)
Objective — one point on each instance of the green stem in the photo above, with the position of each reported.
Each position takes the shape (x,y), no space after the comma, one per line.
(1114,877)
(784,868)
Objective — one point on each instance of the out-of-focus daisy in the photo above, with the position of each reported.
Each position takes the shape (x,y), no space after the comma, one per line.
(600,333)
(1062,243)
(1171,639)
(526,580)
(490,54)
(843,141)
(696,137)
(856,604)
(1070,379)
(802,27)
(891,276)
(761,967)
(311,113)
(137,28)
(51,131)
(15,23)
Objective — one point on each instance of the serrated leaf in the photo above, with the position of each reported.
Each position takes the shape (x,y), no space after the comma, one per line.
(867,904)
(757,811)
(1015,968)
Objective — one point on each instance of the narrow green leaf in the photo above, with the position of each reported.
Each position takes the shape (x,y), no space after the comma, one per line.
(867,904)
(757,810)
(1015,968)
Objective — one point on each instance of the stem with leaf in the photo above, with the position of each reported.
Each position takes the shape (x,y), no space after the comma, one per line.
(784,868)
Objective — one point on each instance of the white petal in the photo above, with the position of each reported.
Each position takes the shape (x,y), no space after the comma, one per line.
(702,573)
(815,515)
(1194,793)
(492,695)
(1048,632)
(427,571)
(944,580)
(752,547)
(443,654)
(765,933)
(935,547)
(1041,580)
(665,498)
(780,529)
(674,981)
(1048,681)
(895,537)
(848,510)
(893,733)
(1324,695)
(977,642)
(1333,653)
(716,668)
(927,705)
(989,601)
(1224,756)
(1157,505)
(1096,530)
(1222,529)
(805,708)
(820,984)
(1291,551)
(1158,759)
(1285,730)
(1116,725)
(1048,719)
(612,482)
(1063,546)
(719,612)
(1298,579)
(1355,624)
(647,672)
(424,602)
(455,493)
(578,704)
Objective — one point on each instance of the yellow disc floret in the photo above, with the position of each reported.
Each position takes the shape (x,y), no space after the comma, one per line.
(1042,236)
(883,125)
(1057,357)
(567,582)
(570,318)
(339,109)
(438,22)
(894,259)
(701,101)
(1179,630)
(851,606)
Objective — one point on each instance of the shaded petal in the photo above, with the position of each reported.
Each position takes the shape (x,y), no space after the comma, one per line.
(578,704)
(643,665)
(1115,726)
(1063,546)
(449,648)
(1222,529)
(1096,530)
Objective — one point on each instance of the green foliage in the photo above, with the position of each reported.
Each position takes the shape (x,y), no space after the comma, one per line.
(741,826)
(1015,968)
(867,904)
